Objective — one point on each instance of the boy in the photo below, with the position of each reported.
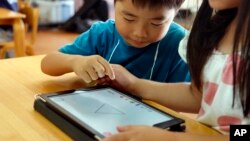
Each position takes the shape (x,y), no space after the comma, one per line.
(144,39)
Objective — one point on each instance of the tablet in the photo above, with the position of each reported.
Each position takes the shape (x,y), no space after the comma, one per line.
(98,111)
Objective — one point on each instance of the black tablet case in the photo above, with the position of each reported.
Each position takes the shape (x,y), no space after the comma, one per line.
(70,129)
(74,132)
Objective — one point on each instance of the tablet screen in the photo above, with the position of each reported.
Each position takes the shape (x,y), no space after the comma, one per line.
(104,109)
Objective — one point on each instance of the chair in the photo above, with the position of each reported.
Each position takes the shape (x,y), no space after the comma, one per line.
(8,17)
(24,21)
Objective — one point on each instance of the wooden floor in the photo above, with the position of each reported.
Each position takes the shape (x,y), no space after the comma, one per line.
(49,40)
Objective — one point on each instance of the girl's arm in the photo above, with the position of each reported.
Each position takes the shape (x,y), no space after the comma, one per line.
(147,133)
(183,97)
(178,96)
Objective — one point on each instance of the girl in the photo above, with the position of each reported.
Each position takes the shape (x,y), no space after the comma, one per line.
(218,55)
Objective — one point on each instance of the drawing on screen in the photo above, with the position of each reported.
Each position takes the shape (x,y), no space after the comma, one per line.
(107,109)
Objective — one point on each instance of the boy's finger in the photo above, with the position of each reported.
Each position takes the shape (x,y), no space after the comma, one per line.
(100,70)
(92,83)
(92,73)
(85,76)
(108,69)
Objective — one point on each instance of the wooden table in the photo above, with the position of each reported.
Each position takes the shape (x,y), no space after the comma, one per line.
(20,80)
(15,20)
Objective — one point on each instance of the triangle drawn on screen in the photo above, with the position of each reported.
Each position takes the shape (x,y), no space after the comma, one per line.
(107,109)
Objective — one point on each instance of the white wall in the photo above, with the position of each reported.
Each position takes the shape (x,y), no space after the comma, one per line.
(193,5)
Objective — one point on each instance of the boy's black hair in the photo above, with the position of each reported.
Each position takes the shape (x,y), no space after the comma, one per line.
(157,3)
(207,31)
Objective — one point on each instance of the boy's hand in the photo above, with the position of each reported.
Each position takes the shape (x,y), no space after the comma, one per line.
(91,68)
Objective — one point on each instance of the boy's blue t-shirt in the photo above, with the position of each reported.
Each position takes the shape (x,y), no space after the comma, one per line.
(103,39)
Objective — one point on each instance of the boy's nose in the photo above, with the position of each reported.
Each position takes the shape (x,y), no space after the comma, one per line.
(140,32)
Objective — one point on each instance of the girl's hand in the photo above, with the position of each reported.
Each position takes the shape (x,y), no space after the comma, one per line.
(140,133)
(91,68)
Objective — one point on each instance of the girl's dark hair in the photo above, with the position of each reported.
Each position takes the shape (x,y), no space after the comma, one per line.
(157,3)
(207,31)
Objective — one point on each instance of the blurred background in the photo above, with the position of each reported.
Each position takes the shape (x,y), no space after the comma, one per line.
(60,21)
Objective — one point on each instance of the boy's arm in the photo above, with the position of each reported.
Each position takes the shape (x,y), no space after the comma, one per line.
(57,63)
(89,68)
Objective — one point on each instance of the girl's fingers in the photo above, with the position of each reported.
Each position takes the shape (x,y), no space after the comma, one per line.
(124,128)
